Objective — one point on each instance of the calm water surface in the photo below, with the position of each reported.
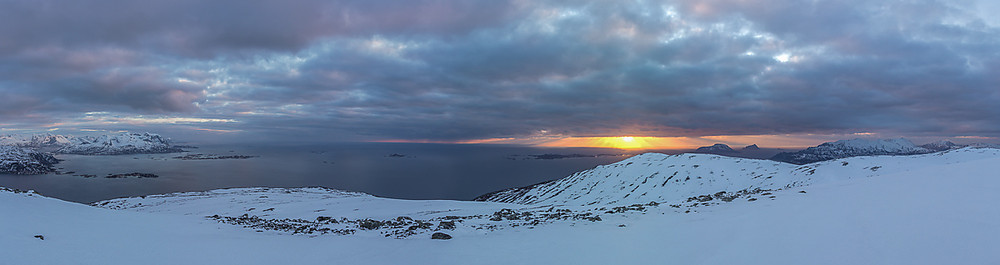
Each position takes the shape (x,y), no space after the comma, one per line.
(428,171)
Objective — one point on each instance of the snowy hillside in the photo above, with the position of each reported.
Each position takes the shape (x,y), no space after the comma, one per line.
(921,209)
(699,177)
(850,148)
(22,161)
(118,144)
(654,177)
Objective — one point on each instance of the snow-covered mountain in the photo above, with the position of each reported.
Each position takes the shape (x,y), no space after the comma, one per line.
(23,161)
(716,149)
(942,145)
(851,148)
(107,144)
(752,147)
(920,209)
(36,140)
(118,144)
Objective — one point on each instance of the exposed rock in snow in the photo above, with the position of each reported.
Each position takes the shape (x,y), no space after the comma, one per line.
(23,161)
(119,144)
(850,148)
(716,149)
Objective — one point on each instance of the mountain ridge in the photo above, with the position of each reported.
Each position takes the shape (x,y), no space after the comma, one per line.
(121,143)
(23,161)
(851,148)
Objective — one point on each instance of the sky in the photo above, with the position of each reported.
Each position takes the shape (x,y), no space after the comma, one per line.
(541,72)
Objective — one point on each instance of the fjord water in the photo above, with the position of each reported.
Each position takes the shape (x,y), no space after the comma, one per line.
(425,171)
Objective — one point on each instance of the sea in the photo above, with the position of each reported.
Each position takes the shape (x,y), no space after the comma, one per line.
(393,170)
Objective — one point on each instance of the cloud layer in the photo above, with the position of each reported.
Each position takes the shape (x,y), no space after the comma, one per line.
(460,70)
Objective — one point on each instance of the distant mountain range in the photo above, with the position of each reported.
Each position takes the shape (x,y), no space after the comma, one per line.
(852,148)
(841,149)
(30,154)
(110,144)
(119,144)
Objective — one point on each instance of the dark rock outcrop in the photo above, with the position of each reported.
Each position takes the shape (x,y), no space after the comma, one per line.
(439,235)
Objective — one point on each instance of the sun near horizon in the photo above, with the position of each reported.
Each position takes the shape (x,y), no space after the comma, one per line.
(619,142)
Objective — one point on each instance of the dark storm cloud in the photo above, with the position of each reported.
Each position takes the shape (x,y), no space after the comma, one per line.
(191,27)
(129,56)
(451,70)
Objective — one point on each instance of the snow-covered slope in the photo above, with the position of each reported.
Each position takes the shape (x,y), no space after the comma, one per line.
(296,203)
(925,209)
(672,178)
(118,144)
(850,148)
(22,161)
(654,177)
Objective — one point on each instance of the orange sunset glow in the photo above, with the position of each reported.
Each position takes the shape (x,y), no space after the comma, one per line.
(631,142)
(653,142)
(621,142)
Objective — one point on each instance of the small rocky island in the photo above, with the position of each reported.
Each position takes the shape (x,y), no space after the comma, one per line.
(123,175)
(558,156)
(211,157)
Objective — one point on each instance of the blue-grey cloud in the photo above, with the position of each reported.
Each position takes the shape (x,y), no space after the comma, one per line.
(450,70)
